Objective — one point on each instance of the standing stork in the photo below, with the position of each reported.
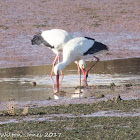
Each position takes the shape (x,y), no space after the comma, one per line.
(54,39)
(76,49)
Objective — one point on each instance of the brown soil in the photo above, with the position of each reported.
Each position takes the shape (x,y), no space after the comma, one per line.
(115,23)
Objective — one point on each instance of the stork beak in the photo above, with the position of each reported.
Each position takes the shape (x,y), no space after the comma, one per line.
(57,82)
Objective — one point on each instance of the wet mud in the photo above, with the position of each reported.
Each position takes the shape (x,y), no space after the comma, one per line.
(107,80)
(116,24)
(25,69)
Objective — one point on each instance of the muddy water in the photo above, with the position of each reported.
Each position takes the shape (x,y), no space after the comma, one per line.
(16,83)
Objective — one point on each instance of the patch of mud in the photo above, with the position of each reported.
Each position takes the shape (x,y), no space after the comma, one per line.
(9,121)
(63,101)
(113,113)
(18,84)
(53,117)
(107,21)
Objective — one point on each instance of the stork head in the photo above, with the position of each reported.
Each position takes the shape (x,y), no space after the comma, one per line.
(37,39)
(82,64)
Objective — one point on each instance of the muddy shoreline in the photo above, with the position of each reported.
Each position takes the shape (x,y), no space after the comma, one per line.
(126,92)
(117,24)
(16,83)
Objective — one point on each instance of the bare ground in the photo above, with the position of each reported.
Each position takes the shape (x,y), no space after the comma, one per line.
(115,23)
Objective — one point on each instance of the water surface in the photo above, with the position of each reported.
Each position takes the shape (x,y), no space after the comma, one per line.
(16,83)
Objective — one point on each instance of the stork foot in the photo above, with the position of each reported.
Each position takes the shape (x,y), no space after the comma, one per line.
(85,82)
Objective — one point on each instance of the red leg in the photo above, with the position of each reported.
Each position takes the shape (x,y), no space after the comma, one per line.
(61,73)
(86,72)
(79,71)
(79,80)
(54,62)
(85,77)
(78,66)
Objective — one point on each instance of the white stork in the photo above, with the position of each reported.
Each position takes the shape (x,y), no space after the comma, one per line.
(76,49)
(55,39)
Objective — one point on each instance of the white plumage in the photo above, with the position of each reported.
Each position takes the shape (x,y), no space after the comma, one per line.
(73,51)
(81,63)
(55,39)
(76,49)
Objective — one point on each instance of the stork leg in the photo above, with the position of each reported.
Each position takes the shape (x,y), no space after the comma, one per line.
(61,70)
(79,71)
(86,72)
(61,73)
(80,81)
(54,62)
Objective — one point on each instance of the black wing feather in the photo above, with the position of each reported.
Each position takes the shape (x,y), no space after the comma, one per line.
(97,47)
(90,38)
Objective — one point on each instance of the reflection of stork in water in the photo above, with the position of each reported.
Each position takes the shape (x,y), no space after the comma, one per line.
(78,94)
(76,49)
(55,39)
(59,95)
(86,92)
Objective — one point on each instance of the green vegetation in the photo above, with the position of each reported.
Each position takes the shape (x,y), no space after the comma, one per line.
(101,96)
(40,25)
(105,128)
(76,109)
(96,24)
(112,85)
(4,27)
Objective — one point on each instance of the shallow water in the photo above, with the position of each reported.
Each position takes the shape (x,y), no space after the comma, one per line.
(16,83)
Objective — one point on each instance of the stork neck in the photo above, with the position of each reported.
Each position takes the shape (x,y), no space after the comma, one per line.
(63,64)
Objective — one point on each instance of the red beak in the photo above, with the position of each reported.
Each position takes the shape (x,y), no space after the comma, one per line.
(57,82)
(83,71)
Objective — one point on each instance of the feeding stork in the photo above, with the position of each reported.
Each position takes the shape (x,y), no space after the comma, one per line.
(76,49)
(55,39)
